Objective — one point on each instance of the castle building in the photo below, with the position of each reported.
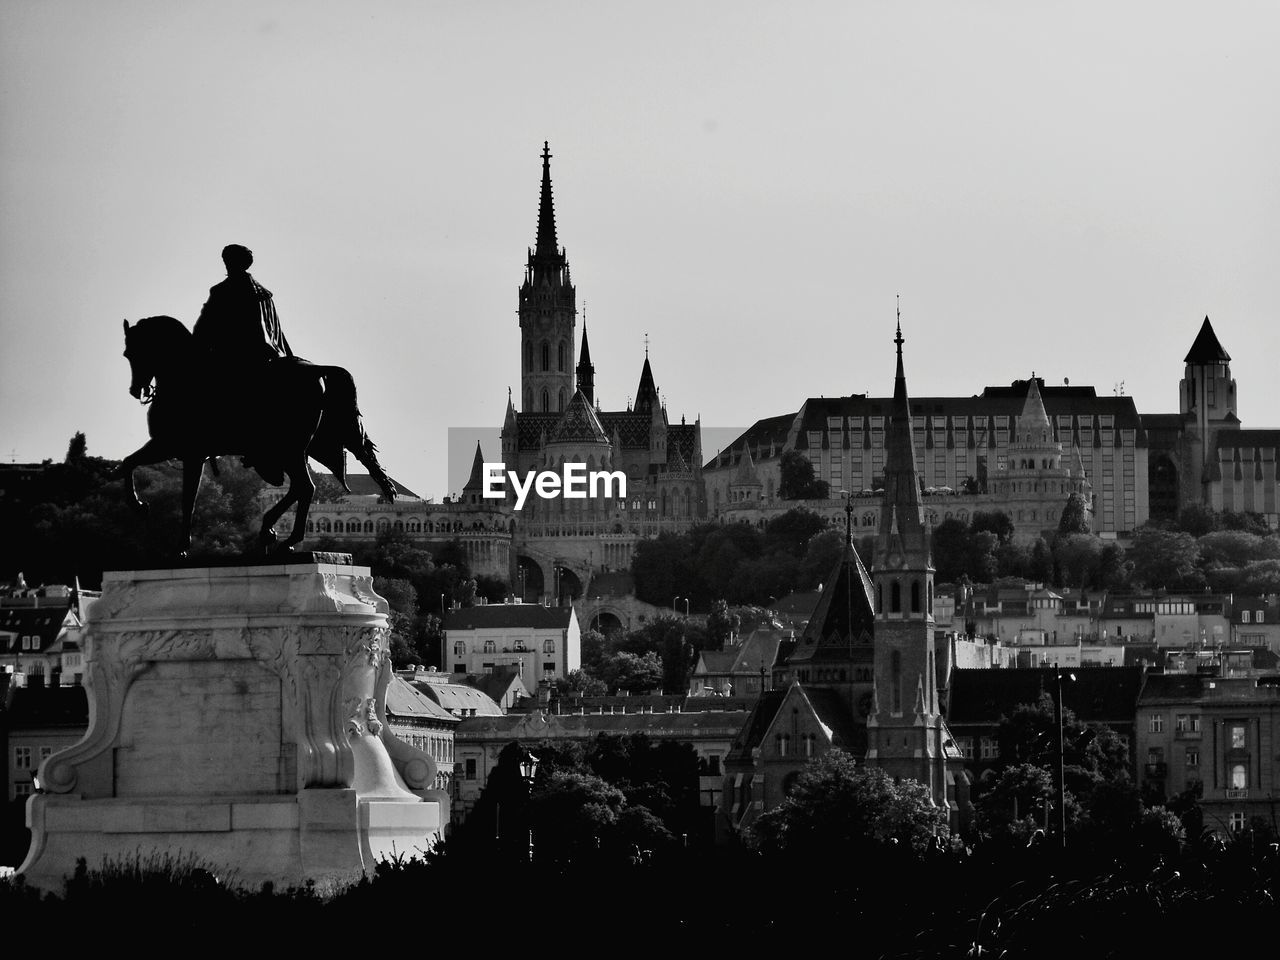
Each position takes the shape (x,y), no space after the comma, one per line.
(1137,467)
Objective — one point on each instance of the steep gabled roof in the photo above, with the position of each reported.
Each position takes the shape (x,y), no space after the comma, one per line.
(845,614)
(1206,348)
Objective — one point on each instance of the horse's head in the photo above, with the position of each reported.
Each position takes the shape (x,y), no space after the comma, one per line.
(151,345)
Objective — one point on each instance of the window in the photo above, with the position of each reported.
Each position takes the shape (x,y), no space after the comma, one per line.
(784,741)
(1239,776)
(45,753)
(546,358)
(471,769)
(1244,616)
(896,666)
(560,359)
(1237,820)
(808,745)
(548,646)
(990,747)
(548,667)
(1156,723)
(459,668)
(22,758)
(1193,757)
(1187,723)
(895,597)
(459,648)
(23,788)
(713,765)
(490,647)
(966,747)
(1237,736)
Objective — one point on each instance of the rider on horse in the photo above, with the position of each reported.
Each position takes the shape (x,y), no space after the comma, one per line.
(240,332)
(238,324)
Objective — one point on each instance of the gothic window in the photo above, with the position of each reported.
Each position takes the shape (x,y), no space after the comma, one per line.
(546,397)
(353,526)
(546,357)
(528,400)
(561,351)
(561,401)
(784,741)
(879,598)
(528,356)
(895,662)
(459,648)
(895,597)
(915,596)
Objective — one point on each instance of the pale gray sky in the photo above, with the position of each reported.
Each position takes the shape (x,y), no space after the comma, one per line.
(1065,188)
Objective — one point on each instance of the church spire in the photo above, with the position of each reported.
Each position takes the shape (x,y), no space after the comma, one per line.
(547,246)
(586,369)
(901,478)
(647,392)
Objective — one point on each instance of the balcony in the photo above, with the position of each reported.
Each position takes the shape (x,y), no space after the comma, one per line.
(1156,771)
(1237,794)
(1186,734)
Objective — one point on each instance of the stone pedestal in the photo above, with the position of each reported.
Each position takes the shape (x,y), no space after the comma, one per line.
(236,714)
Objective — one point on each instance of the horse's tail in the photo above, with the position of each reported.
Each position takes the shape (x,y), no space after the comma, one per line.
(343,427)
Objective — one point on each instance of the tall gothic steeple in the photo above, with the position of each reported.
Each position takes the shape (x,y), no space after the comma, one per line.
(907,736)
(902,532)
(548,313)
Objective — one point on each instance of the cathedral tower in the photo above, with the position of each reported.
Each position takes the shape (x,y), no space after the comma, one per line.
(548,314)
(907,736)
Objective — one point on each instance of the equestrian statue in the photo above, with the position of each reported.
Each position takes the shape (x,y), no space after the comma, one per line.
(233,387)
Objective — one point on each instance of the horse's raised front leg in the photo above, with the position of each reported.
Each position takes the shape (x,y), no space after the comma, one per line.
(192,474)
(153,451)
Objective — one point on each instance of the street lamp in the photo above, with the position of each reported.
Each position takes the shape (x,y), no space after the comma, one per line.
(528,769)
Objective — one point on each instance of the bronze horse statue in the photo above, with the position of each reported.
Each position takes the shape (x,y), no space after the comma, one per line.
(290,410)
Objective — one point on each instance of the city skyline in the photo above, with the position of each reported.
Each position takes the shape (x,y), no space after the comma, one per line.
(747,188)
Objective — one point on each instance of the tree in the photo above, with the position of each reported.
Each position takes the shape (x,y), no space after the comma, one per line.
(994,521)
(796,480)
(627,671)
(1075,516)
(1041,566)
(981,563)
(1165,559)
(721,625)
(657,566)
(820,558)
(950,550)
(1077,556)
(77,449)
(838,808)
(579,683)
(792,531)
(1236,548)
